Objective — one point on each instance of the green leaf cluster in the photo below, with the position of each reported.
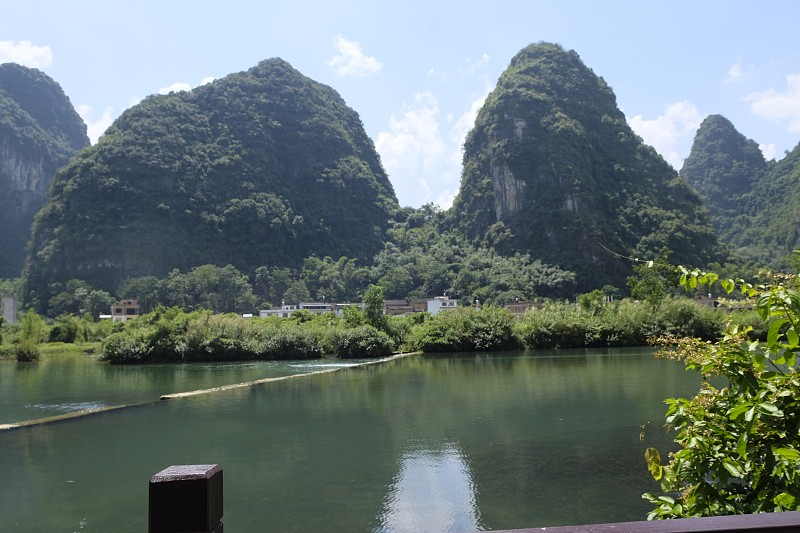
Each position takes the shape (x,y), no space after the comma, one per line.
(739,444)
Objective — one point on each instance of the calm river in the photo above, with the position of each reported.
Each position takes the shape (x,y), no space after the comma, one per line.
(425,443)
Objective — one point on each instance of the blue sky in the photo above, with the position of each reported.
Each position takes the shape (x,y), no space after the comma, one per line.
(417,72)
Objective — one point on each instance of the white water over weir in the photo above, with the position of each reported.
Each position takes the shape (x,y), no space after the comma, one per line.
(280,378)
(96,408)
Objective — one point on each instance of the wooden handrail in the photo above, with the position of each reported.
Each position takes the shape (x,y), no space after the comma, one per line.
(189,498)
(770,522)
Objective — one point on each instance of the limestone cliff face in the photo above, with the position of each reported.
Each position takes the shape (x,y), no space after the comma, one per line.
(553,159)
(26,179)
(508,192)
(39,132)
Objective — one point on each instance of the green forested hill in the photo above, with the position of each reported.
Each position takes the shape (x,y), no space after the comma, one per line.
(552,162)
(754,204)
(261,168)
(775,204)
(39,132)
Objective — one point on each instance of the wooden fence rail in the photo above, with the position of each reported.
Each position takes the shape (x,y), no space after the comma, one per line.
(188,498)
(769,522)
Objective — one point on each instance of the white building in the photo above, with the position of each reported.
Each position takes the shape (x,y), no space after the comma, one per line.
(124,310)
(284,311)
(441,303)
(8,308)
(318,308)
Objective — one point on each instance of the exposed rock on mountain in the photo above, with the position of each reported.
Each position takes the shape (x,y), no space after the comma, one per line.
(263,167)
(552,158)
(39,132)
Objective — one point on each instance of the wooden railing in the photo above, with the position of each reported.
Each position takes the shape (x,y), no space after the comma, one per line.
(769,522)
(186,498)
(189,498)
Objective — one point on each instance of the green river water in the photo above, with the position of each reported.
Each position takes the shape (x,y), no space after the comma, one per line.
(461,442)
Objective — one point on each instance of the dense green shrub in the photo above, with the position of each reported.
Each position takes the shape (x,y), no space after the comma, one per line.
(622,323)
(126,347)
(174,336)
(466,329)
(362,342)
(170,335)
(64,329)
(555,325)
(683,317)
(294,343)
(31,334)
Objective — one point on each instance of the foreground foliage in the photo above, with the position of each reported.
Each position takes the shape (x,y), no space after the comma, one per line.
(739,444)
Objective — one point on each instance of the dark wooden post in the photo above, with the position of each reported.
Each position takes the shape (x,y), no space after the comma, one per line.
(186,499)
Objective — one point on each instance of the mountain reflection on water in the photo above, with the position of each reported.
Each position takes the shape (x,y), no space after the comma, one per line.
(433,491)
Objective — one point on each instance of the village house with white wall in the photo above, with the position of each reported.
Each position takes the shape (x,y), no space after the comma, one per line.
(124,310)
(391,307)
(9,308)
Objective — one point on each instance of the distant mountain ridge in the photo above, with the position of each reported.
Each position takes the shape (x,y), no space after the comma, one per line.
(267,167)
(754,204)
(39,132)
(260,168)
(553,163)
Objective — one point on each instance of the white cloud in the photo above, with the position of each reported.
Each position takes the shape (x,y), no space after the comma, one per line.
(438,75)
(412,149)
(473,65)
(424,163)
(175,87)
(95,128)
(464,70)
(738,73)
(670,132)
(446,198)
(779,106)
(183,86)
(25,53)
(768,150)
(351,61)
